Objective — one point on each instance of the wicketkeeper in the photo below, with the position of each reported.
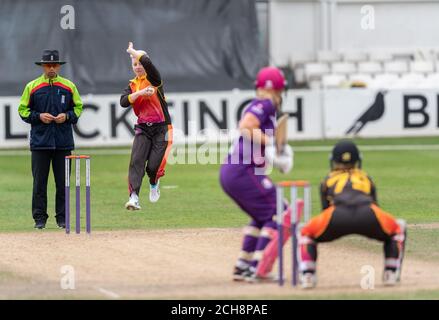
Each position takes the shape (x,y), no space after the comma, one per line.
(349,202)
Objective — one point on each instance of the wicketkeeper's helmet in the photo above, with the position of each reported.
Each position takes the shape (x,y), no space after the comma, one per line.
(345,152)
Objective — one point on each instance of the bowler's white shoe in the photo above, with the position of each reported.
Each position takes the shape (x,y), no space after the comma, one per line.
(390,278)
(154,192)
(308,280)
(133,202)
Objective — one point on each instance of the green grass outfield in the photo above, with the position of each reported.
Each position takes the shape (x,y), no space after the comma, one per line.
(407,183)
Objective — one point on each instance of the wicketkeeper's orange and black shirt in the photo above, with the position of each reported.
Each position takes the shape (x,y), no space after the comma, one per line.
(347,187)
(148,109)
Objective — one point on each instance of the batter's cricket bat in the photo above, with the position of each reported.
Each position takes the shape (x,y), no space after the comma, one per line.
(281,133)
(265,265)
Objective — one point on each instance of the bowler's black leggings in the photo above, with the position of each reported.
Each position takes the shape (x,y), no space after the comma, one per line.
(149,154)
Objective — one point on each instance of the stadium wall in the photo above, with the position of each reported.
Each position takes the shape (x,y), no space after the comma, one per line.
(207,116)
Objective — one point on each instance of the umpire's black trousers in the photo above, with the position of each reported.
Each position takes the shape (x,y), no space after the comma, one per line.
(41,160)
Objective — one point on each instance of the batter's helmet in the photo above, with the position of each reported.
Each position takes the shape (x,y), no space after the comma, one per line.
(270,78)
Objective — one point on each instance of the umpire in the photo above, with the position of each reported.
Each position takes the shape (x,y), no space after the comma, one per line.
(50,104)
